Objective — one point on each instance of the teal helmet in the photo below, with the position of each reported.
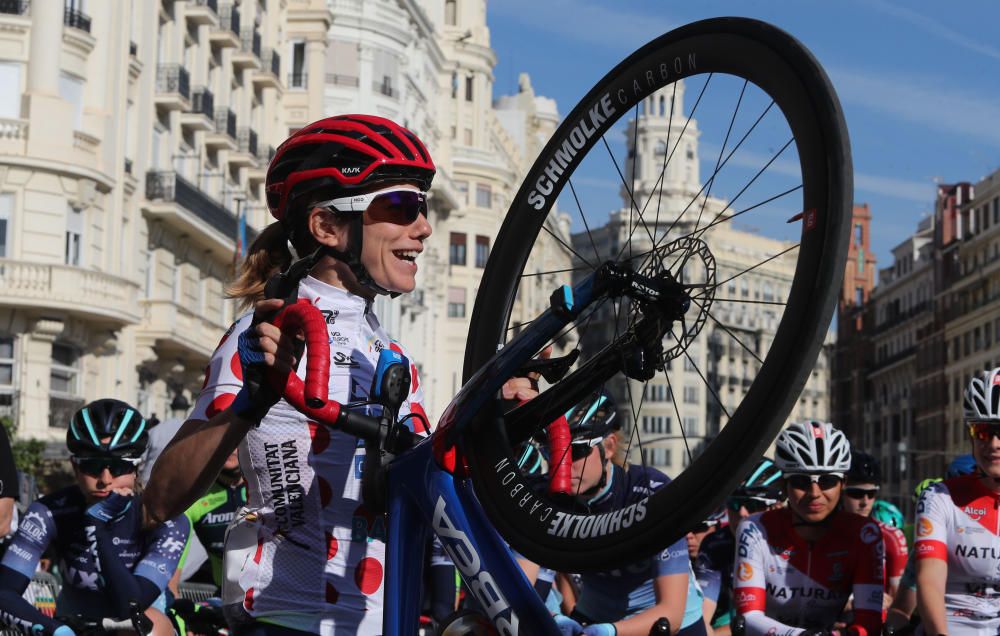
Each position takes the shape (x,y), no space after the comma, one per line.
(118,422)
(887,514)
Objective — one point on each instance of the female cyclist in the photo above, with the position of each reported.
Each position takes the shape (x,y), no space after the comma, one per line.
(958,529)
(629,600)
(797,566)
(306,555)
(106,561)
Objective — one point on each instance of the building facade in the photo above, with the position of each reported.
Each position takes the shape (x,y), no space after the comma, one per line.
(133,140)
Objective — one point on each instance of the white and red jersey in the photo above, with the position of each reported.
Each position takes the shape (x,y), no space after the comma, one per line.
(957,522)
(896,553)
(305,553)
(785,584)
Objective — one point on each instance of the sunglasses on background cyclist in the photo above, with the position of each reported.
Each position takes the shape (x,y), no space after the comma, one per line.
(405,205)
(984,431)
(94,466)
(861,493)
(752,505)
(581,449)
(804,481)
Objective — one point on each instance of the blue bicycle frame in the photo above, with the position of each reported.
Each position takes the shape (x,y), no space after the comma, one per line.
(423,497)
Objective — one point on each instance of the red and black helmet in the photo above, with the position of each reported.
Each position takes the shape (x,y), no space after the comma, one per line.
(344,153)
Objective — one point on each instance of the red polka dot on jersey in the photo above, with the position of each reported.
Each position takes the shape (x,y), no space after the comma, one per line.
(320,436)
(236,367)
(325,492)
(331,593)
(332,545)
(368,575)
(414,380)
(395,347)
(219,404)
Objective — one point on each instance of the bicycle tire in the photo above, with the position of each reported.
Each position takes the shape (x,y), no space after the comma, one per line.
(788,73)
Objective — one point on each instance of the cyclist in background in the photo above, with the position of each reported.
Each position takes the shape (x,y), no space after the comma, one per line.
(797,566)
(958,523)
(629,600)
(864,480)
(95,528)
(309,556)
(8,492)
(762,490)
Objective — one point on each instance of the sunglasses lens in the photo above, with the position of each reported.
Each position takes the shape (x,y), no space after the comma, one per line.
(800,482)
(94,466)
(580,451)
(826,482)
(408,204)
(984,431)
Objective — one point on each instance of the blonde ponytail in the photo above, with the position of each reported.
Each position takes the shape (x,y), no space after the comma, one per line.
(268,255)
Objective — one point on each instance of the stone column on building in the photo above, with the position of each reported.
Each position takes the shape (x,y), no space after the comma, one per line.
(316,69)
(34,398)
(47,112)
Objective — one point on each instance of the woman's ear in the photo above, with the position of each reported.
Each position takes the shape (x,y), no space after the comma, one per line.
(610,445)
(327,229)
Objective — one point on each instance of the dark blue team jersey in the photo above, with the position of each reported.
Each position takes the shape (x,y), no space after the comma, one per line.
(714,571)
(59,520)
(616,594)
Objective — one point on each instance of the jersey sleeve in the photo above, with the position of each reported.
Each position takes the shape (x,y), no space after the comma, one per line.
(223,375)
(673,560)
(708,577)
(869,578)
(34,533)
(895,552)
(163,551)
(931,529)
(749,587)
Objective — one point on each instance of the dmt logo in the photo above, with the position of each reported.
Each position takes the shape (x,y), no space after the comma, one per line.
(745,571)
(456,543)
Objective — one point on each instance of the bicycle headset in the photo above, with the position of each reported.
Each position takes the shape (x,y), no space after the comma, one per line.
(340,156)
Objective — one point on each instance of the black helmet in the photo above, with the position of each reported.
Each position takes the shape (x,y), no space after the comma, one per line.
(764,483)
(865,469)
(593,418)
(107,418)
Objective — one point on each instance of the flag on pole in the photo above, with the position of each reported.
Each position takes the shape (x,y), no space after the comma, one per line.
(241,235)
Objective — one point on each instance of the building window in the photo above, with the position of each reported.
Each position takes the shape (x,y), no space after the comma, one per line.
(6,211)
(71,89)
(64,384)
(468,88)
(454,90)
(7,376)
(10,90)
(451,12)
(456,302)
(858,234)
(859,295)
(690,425)
(484,195)
(297,77)
(482,250)
(74,235)
(456,249)
(691,394)
(463,191)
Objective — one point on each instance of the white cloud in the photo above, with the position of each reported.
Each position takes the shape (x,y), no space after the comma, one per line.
(934,27)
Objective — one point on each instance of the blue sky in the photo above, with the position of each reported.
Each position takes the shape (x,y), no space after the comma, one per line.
(919,81)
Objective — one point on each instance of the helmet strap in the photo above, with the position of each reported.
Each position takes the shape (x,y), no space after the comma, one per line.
(352,257)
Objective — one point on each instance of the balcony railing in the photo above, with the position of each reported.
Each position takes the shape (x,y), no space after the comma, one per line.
(247,140)
(133,48)
(297,80)
(229,18)
(250,41)
(203,102)
(384,87)
(169,186)
(225,121)
(266,153)
(128,166)
(271,61)
(76,19)
(173,78)
(211,4)
(342,80)
(14,7)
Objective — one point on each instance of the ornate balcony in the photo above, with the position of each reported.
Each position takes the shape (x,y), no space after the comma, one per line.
(298,80)
(91,295)
(246,141)
(13,136)
(76,19)
(248,56)
(176,330)
(203,12)
(224,135)
(270,72)
(14,7)
(227,35)
(173,88)
(202,113)
(178,202)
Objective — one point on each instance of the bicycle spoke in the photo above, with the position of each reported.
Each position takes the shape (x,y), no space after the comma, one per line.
(677,411)
(632,202)
(663,170)
(597,256)
(722,150)
(731,334)
(742,300)
(558,271)
(567,246)
(745,210)
(700,375)
(750,269)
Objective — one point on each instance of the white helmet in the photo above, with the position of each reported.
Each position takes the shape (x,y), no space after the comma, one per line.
(812,447)
(982,396)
